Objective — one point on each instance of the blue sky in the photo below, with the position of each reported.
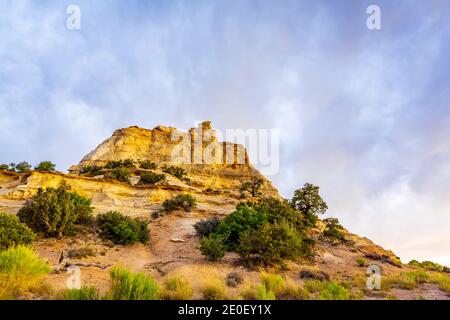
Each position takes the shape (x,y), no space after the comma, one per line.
(363,114)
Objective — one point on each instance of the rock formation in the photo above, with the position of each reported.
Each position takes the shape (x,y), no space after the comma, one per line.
(217,167)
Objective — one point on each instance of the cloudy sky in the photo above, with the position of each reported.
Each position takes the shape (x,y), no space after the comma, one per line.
(363,113)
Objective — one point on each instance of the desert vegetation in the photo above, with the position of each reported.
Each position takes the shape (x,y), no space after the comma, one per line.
(122,229)
(333,230)
(252,187)
(308,201)
(126,285)
(175,171)
(46,166)
(55,212)
(24,166)
(262,233)
(150,178)
(186,202)
(207,226)
(21,271)
(13,232)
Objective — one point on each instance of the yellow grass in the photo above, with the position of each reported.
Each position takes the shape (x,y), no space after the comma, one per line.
(177,288)
(21,270)
(213,288)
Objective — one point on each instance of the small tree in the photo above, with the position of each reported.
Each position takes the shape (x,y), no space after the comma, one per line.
(212,248)
(149,178)
(253,186)
(4,167)
(333,230)
(21,167)
(308,201)
(45,166)
(205,227)
(55,211)
(270,244)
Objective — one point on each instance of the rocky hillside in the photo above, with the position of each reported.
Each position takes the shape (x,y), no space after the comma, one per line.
(173,247)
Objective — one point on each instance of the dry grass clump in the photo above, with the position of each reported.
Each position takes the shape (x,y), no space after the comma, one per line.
(213,288)
(177,288)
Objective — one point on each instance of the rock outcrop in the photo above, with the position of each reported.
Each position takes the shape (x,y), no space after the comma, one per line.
(213,174)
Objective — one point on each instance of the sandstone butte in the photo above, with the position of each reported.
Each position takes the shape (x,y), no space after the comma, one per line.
(174,247)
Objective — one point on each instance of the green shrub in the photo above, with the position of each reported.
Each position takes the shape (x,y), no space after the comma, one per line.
(264,232)
(149,178)
(13,232)
(334,291)
(181,201)
(212,248)
(55,211)
(430,266)
(175,171)
(361,262)
(84,293)
(271,244)
(20,167)
(45,166)
(205,227)
(252,215)
(116,164)
(120,174)
(277,211)
(235,224)
(177,288)
(121,229)
(333,230)
(92,170)
(146,164)
(126,285)
(4,167)
(21,270)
